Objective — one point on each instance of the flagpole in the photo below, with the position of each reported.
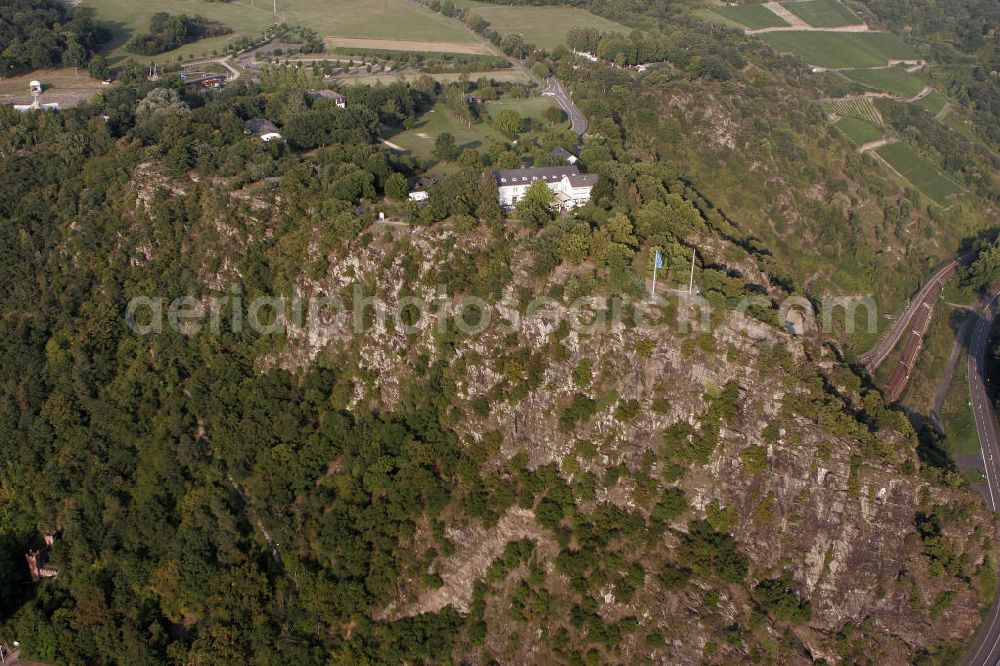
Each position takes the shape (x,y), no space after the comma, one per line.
(657,262)
(691,283)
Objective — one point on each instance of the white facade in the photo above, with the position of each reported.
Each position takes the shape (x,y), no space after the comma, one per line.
(419,195)
(572,188)
(270,136)
(38,106)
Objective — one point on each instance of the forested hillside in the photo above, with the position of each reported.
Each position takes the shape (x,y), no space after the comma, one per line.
(541,466)
(35,34)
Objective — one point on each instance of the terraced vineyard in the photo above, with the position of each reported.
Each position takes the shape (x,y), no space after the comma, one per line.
(861,108)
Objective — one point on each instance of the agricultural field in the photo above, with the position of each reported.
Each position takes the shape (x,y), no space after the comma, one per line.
(921,173)
(366,19)
(893,80)
(545,27)
(859,131)
(861,108)
(822,13)
(842,50)
(753,16)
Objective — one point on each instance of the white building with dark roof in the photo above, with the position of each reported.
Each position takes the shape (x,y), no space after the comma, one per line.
(572,188)
(564,155)
(338,100)
(263,129)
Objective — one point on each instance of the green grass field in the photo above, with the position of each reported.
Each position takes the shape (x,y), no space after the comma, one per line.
(545,27)
(531,108)
(751,16)
(894,80)
(933,102)
(420,140)
(859,131)
(956,415)
(861,108)
(924,175)
(822,13)
(372,19)
(842,50)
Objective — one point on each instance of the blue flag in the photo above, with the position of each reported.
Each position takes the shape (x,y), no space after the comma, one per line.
(659,259)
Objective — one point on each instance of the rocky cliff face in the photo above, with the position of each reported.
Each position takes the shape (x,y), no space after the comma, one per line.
(799,492)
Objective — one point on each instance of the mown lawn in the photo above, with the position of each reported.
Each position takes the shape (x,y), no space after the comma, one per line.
(859,131)
(835,50)
(894,80)
(545,27)
(751,16)
(420,140)
(530,108)
(374,19)
(924,175)
(822,13)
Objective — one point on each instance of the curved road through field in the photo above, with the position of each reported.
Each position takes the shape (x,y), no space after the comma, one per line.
(986,650)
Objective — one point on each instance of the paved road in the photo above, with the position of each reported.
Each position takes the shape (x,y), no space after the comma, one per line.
(873,358)
(986,650)
(576,117)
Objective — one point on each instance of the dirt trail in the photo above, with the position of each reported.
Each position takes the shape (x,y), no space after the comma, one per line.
(875,145)
(920,95)
(791,19)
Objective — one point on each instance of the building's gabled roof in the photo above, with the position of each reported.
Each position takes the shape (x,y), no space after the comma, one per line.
(508,177)
(525,176)
(329,94)
(422,182)
(583,180)
(260,126)
(562,153)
